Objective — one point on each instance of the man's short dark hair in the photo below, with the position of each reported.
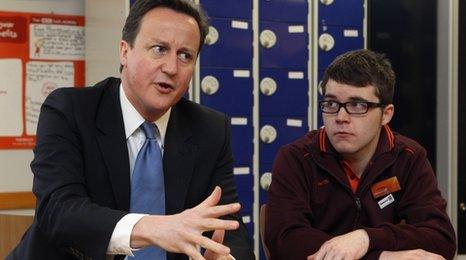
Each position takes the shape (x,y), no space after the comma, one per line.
(141,7)
(362,68)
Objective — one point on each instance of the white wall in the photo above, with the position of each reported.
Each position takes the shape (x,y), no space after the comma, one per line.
(104,22)
(15,174)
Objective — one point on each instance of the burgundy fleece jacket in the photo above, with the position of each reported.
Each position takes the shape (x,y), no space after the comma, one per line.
(310,200)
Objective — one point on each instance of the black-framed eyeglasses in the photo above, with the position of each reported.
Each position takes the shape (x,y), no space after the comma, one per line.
(351,107)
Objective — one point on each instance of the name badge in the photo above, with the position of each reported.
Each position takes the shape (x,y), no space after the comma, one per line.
(386,201)
(385,187)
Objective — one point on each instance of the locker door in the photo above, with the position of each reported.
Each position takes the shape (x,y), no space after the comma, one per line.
(228,8)
(276,131)
(228,44)
(341,12)
(227,90)
(283,45)
(283,92)
(336,40)
(283,10)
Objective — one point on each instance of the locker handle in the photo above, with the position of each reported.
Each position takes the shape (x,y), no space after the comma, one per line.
(266,180)
(326,42)
(268,134)
(463,207)
(212,36)
(326,2)
(267,38)
(268,86)
(210,85)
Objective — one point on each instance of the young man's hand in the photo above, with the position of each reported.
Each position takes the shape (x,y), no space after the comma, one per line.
(352,245)
(416,254)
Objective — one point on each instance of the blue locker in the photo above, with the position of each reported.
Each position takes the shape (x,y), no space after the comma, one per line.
(244,189)
(264,168)
(290,49)
(233,48)
(342,12)
(234,93)
(228,8)
(283,10)
(320,122)
(247,218)
(346,38)
(287,131)
(291,94)
(241,140)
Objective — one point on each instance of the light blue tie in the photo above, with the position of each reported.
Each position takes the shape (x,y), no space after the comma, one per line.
(147,186)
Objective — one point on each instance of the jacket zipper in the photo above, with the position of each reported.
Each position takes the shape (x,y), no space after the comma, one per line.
(358,212)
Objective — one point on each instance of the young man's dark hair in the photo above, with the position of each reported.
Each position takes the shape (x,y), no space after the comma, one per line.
(362,68)
(141,7)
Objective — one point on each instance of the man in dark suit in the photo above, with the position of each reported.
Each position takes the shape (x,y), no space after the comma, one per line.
(88,140)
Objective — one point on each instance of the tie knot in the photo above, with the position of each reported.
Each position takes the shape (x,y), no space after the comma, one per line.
(149,129)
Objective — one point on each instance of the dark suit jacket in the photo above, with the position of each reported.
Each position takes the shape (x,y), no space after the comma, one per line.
(81,172)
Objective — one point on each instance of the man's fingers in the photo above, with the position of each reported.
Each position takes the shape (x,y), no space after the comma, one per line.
(193,253)
(222,210)
(211,245)
(213,198)
(213,224)
(218,236)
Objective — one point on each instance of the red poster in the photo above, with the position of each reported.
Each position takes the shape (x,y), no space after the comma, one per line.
(38,53)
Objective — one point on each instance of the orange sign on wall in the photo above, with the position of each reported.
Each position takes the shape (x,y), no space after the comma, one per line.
(38,53)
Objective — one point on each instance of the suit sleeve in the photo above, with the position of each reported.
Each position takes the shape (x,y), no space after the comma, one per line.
(288,231)
(426,224)
(237,240)
(64,211)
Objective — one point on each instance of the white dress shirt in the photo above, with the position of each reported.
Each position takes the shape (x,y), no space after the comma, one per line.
(135,138)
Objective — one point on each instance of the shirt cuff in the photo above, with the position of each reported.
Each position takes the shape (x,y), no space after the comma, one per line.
(121,236)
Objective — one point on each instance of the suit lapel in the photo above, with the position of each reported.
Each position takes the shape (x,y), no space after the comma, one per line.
(112,142)
(178,159)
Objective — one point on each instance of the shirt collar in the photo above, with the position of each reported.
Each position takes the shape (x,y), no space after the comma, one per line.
(133,120)
(386,141)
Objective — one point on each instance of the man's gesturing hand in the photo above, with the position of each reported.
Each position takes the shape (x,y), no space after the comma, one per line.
(352,245)
(181,233)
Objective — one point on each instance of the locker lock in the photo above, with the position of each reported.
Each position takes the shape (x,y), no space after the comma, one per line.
(268,86)
(268,134)
(326,2)
(463,207)
(209,85)
(326,42)
(266,180)
(267,38)
(319,87)
(212,36)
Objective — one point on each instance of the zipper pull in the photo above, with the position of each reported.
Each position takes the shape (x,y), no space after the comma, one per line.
(358,204)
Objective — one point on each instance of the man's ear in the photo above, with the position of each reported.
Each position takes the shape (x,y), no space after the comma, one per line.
(124,47)
(387,114)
